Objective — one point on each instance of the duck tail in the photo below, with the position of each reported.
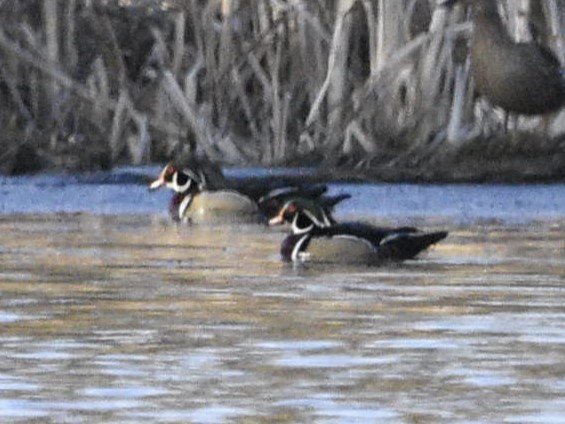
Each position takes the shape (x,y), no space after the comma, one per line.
(407,246)
(331,201)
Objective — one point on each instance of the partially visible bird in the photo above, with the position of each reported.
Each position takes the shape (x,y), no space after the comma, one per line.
(195,200)
(317,237)
(520,77)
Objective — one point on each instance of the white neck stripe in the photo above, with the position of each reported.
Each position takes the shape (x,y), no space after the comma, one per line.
(296,251)
(184,205)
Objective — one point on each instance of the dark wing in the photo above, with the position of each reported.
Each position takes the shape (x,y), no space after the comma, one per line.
(375,235)
(271,200)
(403,246)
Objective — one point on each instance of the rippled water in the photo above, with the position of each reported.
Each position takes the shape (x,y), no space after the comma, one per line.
(121,316)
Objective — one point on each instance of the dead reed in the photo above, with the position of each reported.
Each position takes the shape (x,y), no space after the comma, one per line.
(90,84)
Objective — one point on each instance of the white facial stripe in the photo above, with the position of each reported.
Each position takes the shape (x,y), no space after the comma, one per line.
(193,175)
(297,230)
(180,188)
(314,219)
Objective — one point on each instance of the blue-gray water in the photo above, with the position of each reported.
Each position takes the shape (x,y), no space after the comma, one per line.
(110,313)
(119,192)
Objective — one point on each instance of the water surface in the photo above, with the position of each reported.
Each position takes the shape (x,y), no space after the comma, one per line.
(111,313)
(124,191)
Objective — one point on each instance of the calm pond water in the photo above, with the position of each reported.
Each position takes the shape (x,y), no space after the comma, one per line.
(111,313)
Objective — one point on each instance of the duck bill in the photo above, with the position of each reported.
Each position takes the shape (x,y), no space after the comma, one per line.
(277,220)
(159,182)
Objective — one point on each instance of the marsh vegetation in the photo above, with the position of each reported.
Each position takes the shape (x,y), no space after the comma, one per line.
(366,85)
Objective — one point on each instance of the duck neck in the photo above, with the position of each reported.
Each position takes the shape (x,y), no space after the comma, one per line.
(488,25)
(186,200)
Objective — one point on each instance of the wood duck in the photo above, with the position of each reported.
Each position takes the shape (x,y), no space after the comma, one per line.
(524,78)
(271,202)
(317,237)
(193,202)
(197,201)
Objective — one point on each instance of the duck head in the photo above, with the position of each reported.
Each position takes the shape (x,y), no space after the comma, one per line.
(303,214)
(185,184)
(180,181)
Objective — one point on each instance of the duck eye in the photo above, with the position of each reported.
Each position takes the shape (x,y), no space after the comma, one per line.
(292,209)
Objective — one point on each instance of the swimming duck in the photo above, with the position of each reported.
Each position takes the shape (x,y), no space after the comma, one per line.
(317,237)
(196,202)
(193,202)
(271,202)
(519,77)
